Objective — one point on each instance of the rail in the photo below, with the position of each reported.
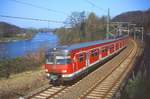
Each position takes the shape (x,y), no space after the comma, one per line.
(107,87)
(103,88)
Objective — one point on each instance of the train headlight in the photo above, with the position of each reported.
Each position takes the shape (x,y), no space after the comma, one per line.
(48,75)
(46,70)
(64,71)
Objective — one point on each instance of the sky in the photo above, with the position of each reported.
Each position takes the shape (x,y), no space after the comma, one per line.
(59,10)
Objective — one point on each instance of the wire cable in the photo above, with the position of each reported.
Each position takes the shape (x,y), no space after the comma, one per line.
(37,6)
(32,19)
(94,5)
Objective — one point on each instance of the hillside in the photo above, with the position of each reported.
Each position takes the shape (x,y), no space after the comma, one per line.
(8,30)
(141,18)
(139,86)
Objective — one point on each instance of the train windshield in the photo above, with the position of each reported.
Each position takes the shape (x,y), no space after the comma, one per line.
(58,59)
(63,60)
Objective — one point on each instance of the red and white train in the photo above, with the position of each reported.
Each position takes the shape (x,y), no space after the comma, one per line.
(65,63)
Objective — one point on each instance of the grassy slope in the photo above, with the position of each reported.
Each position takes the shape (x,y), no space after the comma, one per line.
(21,84)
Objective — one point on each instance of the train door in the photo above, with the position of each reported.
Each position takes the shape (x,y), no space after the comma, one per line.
(87,59)
(120,45)
(94,55)
(80,61)
(104,52)
(100,53)
(108,50)
(111,49)
(74,63)
(117,46)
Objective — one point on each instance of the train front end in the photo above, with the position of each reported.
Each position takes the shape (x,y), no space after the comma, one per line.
(58,64)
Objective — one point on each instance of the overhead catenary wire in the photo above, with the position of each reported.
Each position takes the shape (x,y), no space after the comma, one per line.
(37,6)
(32,19)
(108,16)
(44,8)
(94,5)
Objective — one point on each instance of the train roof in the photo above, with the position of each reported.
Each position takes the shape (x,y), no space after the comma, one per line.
(86,44)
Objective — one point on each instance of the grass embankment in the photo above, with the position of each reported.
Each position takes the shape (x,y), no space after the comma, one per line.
(138,87)
(21,75)
(21,84)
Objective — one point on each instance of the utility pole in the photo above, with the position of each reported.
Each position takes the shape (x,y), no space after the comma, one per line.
(108,18)
(134,35)
(128,30)
(120,29)
(142,33)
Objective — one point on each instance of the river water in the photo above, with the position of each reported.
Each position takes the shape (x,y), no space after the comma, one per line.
(23,47)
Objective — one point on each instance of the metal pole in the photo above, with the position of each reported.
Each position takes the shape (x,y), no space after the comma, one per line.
(142,34)
(107,25)
(128,30)
(120,29)
(133,30)
(134,34)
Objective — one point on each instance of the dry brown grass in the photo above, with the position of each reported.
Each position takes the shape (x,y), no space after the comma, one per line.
(21,84)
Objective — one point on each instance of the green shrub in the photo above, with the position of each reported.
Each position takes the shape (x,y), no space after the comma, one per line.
(137,88)
(20,64)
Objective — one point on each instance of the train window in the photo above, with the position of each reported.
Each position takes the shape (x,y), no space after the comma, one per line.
(111,47)
(104,50)
(81,57)
(94,53)
(50,59)
(58,60)
(63,61)
(117,45)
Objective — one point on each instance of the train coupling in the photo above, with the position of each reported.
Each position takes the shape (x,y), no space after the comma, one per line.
(54,77)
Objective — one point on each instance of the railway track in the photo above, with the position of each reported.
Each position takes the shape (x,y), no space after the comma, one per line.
(104,82)
(48,92)
(104,87)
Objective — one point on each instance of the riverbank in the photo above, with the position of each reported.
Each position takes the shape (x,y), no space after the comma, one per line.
(19,47)
(14,39)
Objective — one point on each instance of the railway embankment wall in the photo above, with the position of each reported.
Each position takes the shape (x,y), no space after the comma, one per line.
(137,86)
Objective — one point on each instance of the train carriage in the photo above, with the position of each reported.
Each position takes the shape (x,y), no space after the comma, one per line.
(65,63)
